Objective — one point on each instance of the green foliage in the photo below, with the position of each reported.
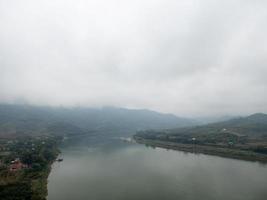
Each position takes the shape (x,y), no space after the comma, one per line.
(260,149)
(231,132)
(30,183)
(16,191)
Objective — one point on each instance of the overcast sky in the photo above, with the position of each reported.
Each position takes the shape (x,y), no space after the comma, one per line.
(187,57)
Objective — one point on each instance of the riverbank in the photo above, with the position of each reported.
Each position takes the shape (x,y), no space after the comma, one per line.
(25,169)
(205,149)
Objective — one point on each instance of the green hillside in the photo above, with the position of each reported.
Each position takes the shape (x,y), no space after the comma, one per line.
(239,131)
(24,119)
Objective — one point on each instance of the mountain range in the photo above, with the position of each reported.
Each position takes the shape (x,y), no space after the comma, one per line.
(248,129)
(26,119)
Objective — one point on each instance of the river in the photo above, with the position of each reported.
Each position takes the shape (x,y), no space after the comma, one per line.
(118,170)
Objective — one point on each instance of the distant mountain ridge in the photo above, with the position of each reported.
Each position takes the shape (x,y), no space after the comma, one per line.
(239,138)
(254,127)
(25,119)
(255,124)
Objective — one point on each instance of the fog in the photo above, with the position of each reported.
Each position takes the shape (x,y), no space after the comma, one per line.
(190,57)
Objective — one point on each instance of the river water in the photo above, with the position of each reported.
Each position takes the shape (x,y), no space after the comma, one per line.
(118,170)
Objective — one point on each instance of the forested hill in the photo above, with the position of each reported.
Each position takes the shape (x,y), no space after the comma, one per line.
(253,127)
(25,119)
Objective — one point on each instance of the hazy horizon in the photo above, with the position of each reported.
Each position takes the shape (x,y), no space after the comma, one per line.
(190,58)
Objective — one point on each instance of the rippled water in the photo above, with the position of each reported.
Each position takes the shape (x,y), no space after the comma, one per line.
(122,171)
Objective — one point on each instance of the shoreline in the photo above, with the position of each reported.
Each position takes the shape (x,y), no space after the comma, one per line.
(31,182)
(40,190)
(48,173)
(208,150)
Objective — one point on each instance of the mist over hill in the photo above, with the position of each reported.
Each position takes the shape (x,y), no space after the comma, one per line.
(26,119)
(241,129)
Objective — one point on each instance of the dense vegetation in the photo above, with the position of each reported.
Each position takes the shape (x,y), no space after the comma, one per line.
(29,183)
(246,133)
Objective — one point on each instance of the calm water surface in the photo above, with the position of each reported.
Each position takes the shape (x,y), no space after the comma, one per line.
(126,171)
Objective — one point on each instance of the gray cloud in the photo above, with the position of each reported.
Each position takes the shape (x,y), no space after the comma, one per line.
(193,57)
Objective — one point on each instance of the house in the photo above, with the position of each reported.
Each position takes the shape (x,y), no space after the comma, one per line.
(17,165)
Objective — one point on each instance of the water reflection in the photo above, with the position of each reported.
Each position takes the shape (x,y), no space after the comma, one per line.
(119,170)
